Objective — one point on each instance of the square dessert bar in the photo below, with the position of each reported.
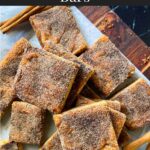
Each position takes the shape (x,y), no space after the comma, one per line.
(26,123)
(111,67)
(84,73)
(118,118)
(44,79)
(58,25)
(86,127)
(135,100)
(53,143)
(8,69)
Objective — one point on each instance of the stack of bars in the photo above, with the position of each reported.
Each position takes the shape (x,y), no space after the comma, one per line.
(61,78)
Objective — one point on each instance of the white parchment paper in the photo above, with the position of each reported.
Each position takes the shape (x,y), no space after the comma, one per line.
(91,34)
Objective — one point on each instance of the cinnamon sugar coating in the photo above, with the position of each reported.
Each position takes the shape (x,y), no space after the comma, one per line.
(111,68)
(44,79)
(135,100)
(58,25)
(118,118)
(26,123)
(84,73)
(8,69)
(118,121)
(86,127)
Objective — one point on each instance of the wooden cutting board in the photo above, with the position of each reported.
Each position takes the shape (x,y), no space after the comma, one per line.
(109,23)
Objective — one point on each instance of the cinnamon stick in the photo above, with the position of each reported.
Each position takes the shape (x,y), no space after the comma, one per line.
(22,18)
(19,15)
(137,143)
(8,22)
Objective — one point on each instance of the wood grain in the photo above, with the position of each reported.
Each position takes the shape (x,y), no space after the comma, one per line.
(121,35)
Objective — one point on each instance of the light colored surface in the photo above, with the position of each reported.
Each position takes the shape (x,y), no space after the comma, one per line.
(91,34)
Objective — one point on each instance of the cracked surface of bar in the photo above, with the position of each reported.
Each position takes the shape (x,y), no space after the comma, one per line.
(135,100)
(83,128)
(58,25)
(111,67)
(44,79)
(84,73)
(8,69)
(26,123)
(118,118)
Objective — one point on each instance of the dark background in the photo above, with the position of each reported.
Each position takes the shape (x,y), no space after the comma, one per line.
(137,18)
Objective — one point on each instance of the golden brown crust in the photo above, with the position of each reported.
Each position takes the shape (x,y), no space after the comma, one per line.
(58,25)
(83,128)
(84,73)
(53,143)
(135,100)
(112,104)
(45,79)
(118,120)
(111,68)
(8,68)
(26,123)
